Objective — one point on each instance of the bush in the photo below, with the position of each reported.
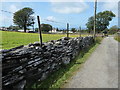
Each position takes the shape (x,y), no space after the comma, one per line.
(117,37)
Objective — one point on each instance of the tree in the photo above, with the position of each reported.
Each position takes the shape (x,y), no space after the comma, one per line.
(23,18)
(36,29)
(90,24)
(73,30)
(57,29)
(102,20)
(14,28)
(46,27)
(113,29)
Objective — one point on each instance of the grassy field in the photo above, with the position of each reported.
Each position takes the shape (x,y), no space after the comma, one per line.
(13,39)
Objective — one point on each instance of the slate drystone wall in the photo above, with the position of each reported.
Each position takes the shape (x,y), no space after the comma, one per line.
(25,64)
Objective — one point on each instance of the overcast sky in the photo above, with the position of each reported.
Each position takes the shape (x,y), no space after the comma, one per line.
(75,13)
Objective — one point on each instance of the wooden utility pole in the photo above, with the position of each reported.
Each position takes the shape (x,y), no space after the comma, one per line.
(95,9)
(80,32)
(39,29)
(67,29)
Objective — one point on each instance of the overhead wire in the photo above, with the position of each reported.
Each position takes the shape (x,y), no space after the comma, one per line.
(48,20)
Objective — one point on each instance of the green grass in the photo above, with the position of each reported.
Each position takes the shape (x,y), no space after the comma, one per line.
(117,37)
(60,77)
(14,39)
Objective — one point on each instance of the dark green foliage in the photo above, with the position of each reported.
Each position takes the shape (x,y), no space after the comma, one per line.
(90,23)
(23,18)
(13,28)
(73,30)
(102,20)
(36,29)
(46,27)
(57,29)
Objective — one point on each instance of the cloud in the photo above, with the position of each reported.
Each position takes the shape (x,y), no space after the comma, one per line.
(5,20)
(111,6)
(13,8)
(108,0)
(83,0)
(51,18)
(69,7)
(58,0)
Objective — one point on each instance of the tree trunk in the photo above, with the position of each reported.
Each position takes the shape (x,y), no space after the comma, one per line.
(25,23)
(24,28)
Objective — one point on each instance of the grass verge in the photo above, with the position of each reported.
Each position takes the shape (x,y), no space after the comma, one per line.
(117,37)
(59,78)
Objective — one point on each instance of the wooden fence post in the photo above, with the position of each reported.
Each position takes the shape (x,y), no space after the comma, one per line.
(67,29)
(39,29)
(80,32)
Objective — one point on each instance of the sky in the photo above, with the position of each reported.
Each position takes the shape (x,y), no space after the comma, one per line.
(75,13)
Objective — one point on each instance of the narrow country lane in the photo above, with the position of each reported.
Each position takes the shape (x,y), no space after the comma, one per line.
(100,70)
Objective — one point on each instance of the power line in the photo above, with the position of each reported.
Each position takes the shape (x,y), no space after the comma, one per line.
(57,22)
(53,21)
(7,11)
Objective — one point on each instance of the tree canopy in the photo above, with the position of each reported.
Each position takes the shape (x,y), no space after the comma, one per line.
(102,20)
(23,18)
(46,27)
(73,30)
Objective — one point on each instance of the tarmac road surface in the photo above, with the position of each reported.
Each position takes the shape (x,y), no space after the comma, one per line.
(101,68)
